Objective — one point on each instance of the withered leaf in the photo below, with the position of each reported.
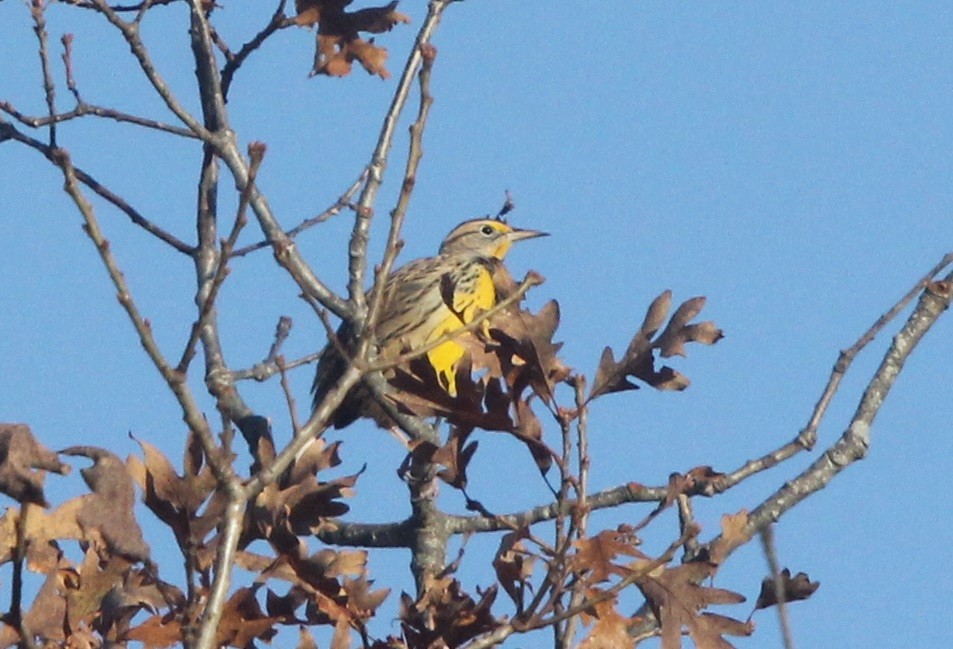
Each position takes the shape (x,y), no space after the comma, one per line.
(638,361)
(677,599)
(338,41)
(23,463)
(596,555)
(454,457)
(514,566)
(47,615)
(174,499)
(361,600)
(107,512)
(530,431)
(157,632)
(445,615)
(701,480)
(244,621)
(794,589)
(305,639)
(610,629)
(734,534)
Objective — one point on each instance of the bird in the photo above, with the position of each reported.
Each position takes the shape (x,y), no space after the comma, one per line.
(422,301)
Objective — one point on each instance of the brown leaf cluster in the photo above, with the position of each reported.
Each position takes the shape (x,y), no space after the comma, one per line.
(338,35)
(191,504)
(674,594)
(91,602)
(445,616)
(638,361)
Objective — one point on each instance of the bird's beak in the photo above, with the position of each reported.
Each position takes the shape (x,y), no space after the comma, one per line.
(516,234)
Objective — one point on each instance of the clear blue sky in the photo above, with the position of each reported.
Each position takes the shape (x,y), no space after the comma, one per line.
(791,161)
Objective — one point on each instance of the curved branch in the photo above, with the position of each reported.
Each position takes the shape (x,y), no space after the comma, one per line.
(7,131)
(629,493)
(853,444)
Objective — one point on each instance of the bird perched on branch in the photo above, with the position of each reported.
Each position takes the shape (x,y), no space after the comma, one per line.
(423,301)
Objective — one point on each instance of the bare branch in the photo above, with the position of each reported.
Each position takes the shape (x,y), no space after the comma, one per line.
(278,22)
(192,414)
(256,153)
(344,200)
(853,444)
(104,192)
(83,109)
(809,435)
(37,12)
(130,31)
(630,493)
(357,249)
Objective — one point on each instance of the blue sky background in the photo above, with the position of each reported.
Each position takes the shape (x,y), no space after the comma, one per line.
(791,161)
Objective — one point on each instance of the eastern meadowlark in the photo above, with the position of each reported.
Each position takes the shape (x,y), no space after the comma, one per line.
(424,300)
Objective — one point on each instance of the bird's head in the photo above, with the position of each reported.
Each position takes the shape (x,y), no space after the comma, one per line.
(489,238)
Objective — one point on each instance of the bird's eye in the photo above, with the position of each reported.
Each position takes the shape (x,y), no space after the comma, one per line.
(487,230)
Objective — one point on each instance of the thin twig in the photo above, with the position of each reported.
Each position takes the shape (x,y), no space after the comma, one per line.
(16,616)
(191,412)
(84,109)
(289,396)
(234,61)
(130,31)
(344,200)
(37,12)
(104,192)
(357,248)
(809,435)
(854,442)
(770,554)
(67,41)
(256,153)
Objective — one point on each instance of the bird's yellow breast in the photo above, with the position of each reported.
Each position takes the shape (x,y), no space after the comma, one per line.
(473,293)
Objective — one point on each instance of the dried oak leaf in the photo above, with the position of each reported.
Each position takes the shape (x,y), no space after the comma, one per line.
(23,464)
(298,503)
(638,361)
(95,582)
(177,499)
(47,615)
(106,514)
(677,599)
(514,566)
(596,555)
(446,616)
(794,589)
(338,40)
(734,533)
(454,456)
(243,621)
(699,481)
(305,639)
(610,629)
(530,431)
(157,632)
